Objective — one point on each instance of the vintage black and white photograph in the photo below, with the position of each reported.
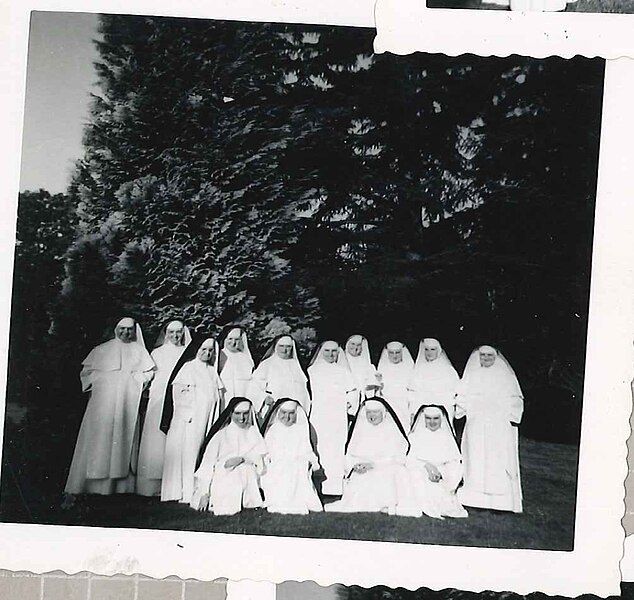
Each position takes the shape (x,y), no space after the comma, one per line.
(268,282)
(592,6)
(293,590)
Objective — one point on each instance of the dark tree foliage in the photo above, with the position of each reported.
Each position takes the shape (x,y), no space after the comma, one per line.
(44,230)
(286,178)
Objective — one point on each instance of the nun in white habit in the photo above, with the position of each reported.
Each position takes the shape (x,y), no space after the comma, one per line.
(435,464)
(192,403)
(289,462)
(169,347)
(114,374)
(434,379)
(235,364)
(490,398)
(396,367)
(231,462)
(334,394)
(364,373)
(279,375)
(375,462)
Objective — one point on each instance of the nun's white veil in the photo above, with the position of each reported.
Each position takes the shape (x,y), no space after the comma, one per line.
(161,339)
(501,371)
(384,361)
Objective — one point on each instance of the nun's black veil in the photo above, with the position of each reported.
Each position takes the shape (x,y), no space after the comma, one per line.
(442,409)
(271,412)
(388,408)
(168,402)
(220,422)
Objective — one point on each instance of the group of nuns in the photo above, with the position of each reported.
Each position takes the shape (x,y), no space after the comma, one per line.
(221,435)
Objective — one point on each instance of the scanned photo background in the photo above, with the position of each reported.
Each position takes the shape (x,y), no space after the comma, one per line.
(287,178)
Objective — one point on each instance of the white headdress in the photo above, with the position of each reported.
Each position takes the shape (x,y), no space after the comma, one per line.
(500,374)
(434,375)
(384,361)
(365,350)
(244,342)
(210,343)
(130,322)
(318,356)
(436,447)
(384,439)
(173,325)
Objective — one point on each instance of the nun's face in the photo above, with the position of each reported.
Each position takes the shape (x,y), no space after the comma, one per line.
(330,354)
(284,349)
(287,416)
(175,336)
(240,415)
(233,341)
(205,353)
(354,348)
(395,356)
(487,358)
(433,422)
(125,333)
(431,353)
(374,415)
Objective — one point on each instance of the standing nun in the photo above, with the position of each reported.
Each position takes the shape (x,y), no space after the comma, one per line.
(287,480)
(169,347)
(235,364)
(364,373)
(396,367)
(334,395)
(490,397)
(192,403)
(279,375)
(114,374)
(375,463)
(434,463)
(434,379)
(231,462)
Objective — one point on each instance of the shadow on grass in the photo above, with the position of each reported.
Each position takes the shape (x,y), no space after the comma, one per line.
(549,483)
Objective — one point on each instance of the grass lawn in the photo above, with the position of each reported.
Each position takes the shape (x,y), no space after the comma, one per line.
(607,6)
(548,477)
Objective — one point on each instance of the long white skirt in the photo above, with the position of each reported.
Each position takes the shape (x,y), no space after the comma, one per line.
(151,450)
(181,451)
(377,490)
(288,488)
(436,499)
(234,489)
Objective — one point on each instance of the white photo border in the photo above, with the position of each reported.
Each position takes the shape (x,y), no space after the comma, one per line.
(593,566)
(455,31)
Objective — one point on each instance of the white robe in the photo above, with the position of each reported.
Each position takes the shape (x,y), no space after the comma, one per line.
(279,378)
(396,379)
(287,482)
(114,373)
(236,374)
(433,382)
(385,487)
(439,449)
(364,374)
(196,393)
(231,490)
(152,448)
(491,404)
(332,388)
